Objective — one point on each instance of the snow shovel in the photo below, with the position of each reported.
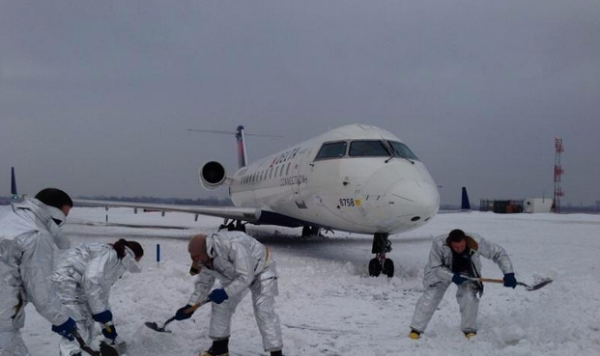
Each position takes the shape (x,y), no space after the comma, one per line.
(161,329)
(529,288)
(105,349)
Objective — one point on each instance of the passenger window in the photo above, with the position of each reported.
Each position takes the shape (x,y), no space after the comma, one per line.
(401,150)
(371,148)
(332,150)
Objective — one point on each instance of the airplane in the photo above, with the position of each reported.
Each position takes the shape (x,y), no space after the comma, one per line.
(355,178)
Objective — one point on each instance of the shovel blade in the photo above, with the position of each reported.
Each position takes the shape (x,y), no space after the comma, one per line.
(539,285)
(107,350)
(154,326)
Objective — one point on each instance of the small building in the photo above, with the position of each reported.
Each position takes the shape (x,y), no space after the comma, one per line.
(501,206)
(537,205)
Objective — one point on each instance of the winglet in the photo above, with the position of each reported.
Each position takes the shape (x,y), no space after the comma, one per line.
(465,205)
(13,184)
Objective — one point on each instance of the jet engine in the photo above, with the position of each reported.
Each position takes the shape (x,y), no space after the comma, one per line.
(212,175)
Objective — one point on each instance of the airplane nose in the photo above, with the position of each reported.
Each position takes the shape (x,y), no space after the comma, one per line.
(414,200)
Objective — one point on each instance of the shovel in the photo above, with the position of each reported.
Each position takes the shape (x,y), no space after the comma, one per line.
(161,329)
(529,288)
(105,349)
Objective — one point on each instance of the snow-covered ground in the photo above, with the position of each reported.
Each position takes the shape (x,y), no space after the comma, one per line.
(329,306)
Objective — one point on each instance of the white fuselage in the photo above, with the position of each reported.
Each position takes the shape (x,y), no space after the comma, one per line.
(349,193)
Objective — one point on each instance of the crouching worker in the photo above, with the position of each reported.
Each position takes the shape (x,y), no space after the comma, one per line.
(83,279)
(450,258)
(241,264)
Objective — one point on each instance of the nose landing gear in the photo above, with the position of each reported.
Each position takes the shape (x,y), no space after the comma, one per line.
(381,264)
(233,225)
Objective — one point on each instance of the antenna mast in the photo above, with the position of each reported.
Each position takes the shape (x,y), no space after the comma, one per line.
(558,172)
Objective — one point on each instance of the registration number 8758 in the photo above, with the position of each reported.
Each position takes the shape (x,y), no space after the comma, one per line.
(346,202)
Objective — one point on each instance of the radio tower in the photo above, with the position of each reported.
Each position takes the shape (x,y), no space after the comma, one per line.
(558,172)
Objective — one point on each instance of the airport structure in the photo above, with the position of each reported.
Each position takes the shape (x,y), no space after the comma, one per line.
(501,206)
(537,205)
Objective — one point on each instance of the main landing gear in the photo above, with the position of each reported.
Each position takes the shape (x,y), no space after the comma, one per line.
(308,231)
(233,225)
(381,264)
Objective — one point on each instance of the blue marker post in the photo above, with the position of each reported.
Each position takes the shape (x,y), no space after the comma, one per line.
(158,255)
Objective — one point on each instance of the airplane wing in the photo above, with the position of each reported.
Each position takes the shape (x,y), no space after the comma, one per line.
(251,215)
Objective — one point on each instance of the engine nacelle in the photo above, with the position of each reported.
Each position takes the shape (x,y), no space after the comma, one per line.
(212,175)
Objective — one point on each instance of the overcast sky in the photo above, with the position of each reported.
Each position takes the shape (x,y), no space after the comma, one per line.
(96,96)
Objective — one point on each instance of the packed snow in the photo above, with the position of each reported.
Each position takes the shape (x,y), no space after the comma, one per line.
(329,306)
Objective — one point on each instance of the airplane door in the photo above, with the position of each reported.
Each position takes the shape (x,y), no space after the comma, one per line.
(297,167)
(300,172)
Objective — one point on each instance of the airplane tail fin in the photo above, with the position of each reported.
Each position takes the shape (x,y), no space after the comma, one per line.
(241,142)
(465,205)
(13,184)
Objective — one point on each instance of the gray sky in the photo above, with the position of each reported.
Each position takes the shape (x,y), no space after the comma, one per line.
(95,96)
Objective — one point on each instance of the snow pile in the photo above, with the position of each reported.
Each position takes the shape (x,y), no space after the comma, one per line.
(328,305)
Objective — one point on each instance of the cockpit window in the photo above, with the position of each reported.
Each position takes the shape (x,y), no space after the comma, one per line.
(401,150)
(332,150)
(370,148)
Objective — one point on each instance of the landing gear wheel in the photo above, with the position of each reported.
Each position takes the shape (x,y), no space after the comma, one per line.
(388,268)
(241,227)
(306,231)
(374,268)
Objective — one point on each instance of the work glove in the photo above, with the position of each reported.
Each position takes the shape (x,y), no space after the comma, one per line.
(510,280)
(109,331)
(66,329)
(218,296)
(183,313)
(104,317)
(458,279)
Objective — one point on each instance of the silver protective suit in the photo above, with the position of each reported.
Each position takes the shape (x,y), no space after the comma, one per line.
(438,276)
(27,245)
(241,264)
(83,279)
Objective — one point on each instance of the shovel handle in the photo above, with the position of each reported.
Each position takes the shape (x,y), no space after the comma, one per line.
(83,345)
(481,279)
(196,306)
(491,280)
(188,310)
(494,280)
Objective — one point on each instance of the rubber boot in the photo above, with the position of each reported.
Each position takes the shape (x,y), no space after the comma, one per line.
(218,348)
(470,334)
(414,334)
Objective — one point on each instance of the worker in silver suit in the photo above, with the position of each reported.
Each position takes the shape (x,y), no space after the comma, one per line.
(28,240)
(241,264)
(83,280)
(455,259)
